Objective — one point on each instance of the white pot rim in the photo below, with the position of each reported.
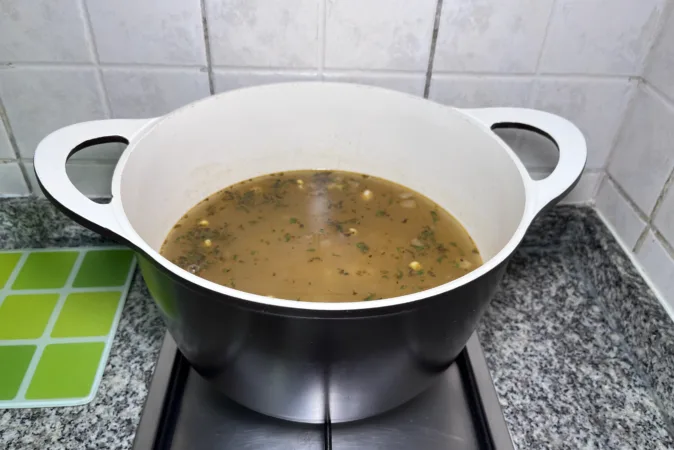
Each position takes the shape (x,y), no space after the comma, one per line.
(50,169)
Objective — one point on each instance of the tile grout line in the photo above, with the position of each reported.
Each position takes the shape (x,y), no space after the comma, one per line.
(322,36)
(634,90)
(636,264)
(553,9)
(650,226)
(657,32)
(624,194)
(276,69)
(662,194)
(648,220)
(207,47)
(668,247)
(41,342)
(651,218)
(90,65)
(658,94)
(4,118)
(431,53)
(93,52)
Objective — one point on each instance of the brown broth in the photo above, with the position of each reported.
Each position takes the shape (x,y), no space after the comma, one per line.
(321,236)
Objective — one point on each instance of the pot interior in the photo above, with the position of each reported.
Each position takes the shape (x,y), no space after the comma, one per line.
(209,145)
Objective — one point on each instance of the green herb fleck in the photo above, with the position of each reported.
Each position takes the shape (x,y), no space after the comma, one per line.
(369,297)
(287,237)
(311,249)
(440,258)
(253,252)
(380,213)
(399,274)
(362,247)
(293,220)
(434,216)
(235,257)
(475,251)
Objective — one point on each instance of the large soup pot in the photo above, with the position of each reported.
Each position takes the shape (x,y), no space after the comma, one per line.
(298,360)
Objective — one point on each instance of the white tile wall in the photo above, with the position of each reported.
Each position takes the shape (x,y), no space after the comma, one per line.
(586,189)
(39,101)
(664,217)
(6,151)
(536,151)
(478,92)
(498,36)
(658,263)
(510,136)
(410,83)
(66,61)
(138,93)
(227,80)
(93,180)
(644,153)
(379,34)
(600,36)
(42,30)
(12,182)
(32,180)
(660,64)
(642,163)
(148,31)
(619,213)
(595,106)
(262,33)
(101,152)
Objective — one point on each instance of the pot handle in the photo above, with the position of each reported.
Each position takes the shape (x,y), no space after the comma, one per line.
(50,159)
(566,136)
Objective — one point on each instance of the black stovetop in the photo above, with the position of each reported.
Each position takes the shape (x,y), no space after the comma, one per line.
(461,411)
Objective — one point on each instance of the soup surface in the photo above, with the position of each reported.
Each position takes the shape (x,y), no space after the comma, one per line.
(321,236)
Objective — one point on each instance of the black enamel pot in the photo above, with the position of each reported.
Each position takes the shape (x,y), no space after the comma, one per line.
(297,360)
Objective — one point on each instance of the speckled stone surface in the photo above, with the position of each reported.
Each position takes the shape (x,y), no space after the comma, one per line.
(110,420)
(579,349)
(581,353)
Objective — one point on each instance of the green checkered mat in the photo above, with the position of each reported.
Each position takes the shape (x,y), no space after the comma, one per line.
(59,310)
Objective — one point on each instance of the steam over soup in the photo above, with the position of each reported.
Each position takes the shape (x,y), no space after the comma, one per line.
(321,236)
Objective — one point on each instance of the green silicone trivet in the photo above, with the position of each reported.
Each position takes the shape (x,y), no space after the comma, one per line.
(59,311)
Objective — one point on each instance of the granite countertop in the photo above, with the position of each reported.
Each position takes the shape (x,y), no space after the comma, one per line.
(581,353)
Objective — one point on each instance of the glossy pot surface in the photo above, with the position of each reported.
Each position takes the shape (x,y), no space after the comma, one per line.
(298,360)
